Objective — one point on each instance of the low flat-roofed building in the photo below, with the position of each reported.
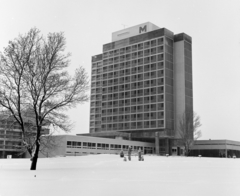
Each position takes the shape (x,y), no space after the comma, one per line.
(72,145)
(216,148)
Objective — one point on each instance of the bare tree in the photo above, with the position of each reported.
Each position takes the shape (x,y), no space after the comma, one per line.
(188,129)
(34,77)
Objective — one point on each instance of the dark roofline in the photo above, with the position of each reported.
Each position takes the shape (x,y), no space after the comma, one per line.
(138,38)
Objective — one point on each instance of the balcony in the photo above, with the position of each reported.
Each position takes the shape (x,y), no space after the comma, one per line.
(134,48)
(116,52)
(134,57)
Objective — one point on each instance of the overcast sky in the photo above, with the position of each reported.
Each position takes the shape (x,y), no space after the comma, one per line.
(213,25)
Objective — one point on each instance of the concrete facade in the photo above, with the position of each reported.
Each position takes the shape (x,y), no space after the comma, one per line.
(216,148)
(72,145)
(11,135)
(141,84)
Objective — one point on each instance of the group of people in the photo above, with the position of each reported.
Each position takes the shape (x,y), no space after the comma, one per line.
(140,158)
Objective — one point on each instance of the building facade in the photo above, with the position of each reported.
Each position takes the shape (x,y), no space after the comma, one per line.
(216,148)
(10,139)
(141,84)
(72,145)
(11,135)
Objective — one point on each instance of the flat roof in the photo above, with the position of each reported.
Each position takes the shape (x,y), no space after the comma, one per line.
(101,139)
(215,145)
(134,30)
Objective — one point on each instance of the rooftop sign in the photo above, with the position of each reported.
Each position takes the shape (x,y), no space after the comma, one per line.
(132,31)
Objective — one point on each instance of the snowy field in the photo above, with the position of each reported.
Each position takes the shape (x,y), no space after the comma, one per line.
(109,175)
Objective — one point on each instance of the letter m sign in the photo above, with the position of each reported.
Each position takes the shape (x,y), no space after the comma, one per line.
(143,29)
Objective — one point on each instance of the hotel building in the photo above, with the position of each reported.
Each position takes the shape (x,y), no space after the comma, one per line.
(141,84)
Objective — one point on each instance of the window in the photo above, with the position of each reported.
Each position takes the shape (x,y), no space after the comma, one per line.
(140,46)
(146,99)
(99,146)
(147,107)
(122,50)
(134,55)
(85,144)
(160,115)
(133,101)
(146,52)
(139,116)
(160,41)
(160,123)
(153,43)
(160,49)
(134,48)
(146,44)
(160,57)
(146,124)
(116,52)
(153,124)
(133,109)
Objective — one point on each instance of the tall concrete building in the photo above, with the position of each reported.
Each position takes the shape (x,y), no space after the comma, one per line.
(141,85)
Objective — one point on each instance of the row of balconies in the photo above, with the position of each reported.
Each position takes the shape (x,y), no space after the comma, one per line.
(127,102)
(105,98)
(149,84)
(129,65)
(142,110)
(97,71)
(127,120)
(135,78)
(133,109)
(127,75)
(114,71)
(122,127)
(130,102)
(15,148)
(10,137)
(122,103)
(133,117)
(126,99)
(129,94)
(115,104)
(141,61)
(96,65)
(138,111)
(133,48)
(126,80)
(126,72)
(129,72)
(130,112)
(133,55)
(121,99)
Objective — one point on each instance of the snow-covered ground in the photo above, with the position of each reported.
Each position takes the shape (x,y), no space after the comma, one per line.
(109,175)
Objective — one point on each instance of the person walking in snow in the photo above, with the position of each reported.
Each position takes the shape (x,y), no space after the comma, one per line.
(121,154)
(139,154)
(129,152)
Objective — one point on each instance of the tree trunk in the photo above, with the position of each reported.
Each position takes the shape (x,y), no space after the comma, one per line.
(35,157)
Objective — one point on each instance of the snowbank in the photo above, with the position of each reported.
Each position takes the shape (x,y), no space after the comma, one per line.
(109,175)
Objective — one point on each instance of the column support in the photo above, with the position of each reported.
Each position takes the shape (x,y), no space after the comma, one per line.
(167,145)
(129,136)
(157,143)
